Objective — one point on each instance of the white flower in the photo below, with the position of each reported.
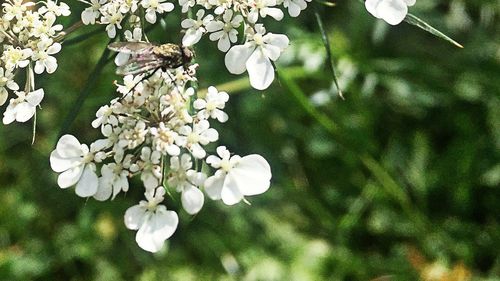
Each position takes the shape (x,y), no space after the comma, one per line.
(151,173)
(58,10)
(6,82)
(132,138)
(236,176)
(130,82)
(164,140)
(16,9)
(186,180)
(103,115)
(262,8)
(114,178)
(44,28)
(90,14)
(74,161)
(154,222)
(391,11)
(295,6)
(133,36)
(16,57)
(195,28)
(194,138)
(186,4)
(128,6)
(156,6)
(43,58)
(113,18)
(255,56)
(212,104)
(225,31)
(23,107)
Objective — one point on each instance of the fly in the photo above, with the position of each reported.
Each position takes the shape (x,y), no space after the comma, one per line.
(147,56)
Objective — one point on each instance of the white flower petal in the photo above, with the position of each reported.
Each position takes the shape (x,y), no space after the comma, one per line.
(69,146)
(70,177)
(278,40)
(34,98)
(87,185)
(39,67)
(121,58)
(214,26)
(224,44)
(24,112)
(252,175)
(104,190)
(60,164)
(237,56)
(54,49)
(275,13)
(9,116)
(260,70)
(134,217)
(156,229)
(192,199)
(392,11)
(213,186)
(191,37)
(230,193)
(293,9)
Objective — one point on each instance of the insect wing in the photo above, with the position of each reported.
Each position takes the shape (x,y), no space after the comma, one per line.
(136,66)
(131,47)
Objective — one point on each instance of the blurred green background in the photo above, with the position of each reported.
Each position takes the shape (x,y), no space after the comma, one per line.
(400,180)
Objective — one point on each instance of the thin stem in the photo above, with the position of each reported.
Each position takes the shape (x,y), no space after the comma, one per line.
(328,48)
(68,31)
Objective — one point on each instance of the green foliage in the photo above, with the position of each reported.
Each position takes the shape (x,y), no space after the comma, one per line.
(401,178)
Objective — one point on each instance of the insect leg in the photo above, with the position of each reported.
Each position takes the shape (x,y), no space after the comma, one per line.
(143,79)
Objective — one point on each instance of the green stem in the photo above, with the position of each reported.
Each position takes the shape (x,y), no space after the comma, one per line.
(68,31)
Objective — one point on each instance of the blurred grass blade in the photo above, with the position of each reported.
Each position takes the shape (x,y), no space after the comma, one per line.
(77,106)
(326,42)
(381,175)
(413,20)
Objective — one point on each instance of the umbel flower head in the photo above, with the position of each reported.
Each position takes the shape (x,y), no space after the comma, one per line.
(28,33)
(158,130)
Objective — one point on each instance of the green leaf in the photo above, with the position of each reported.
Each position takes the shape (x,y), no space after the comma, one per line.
(413,20)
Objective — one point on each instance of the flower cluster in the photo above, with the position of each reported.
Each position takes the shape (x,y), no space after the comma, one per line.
(391,11)
(112,12)
(29,35)
(221,19)
(158,130)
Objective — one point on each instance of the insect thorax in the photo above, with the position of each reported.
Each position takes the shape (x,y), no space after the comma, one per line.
(170,53)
